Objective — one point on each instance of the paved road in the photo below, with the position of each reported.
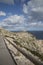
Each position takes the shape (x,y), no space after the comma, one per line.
(5,58)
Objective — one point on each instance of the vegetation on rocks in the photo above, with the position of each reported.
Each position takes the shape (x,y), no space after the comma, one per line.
(26,41)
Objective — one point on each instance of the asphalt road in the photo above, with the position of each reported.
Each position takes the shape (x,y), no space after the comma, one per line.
(5,58)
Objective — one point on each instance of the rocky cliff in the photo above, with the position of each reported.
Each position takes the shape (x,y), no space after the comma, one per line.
(27,42)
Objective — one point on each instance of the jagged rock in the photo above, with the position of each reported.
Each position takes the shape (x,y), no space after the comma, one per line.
(27,41)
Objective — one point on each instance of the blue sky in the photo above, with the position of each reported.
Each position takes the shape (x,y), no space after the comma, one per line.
(21,15)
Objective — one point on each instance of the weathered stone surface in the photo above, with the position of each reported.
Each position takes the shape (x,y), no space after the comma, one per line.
(28,42)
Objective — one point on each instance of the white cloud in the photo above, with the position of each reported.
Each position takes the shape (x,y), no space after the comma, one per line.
(37,24)
(38,9)
(14,22)
(19,23)
(2,13)
(34,12)
(15,19)
(33,23)
(7,1)
(25,9)
(34,8)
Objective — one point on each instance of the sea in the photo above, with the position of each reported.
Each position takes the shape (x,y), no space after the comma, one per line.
(37,34)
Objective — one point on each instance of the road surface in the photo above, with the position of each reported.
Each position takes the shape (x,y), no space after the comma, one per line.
(5,58)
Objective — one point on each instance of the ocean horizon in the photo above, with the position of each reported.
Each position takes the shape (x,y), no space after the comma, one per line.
(37,34)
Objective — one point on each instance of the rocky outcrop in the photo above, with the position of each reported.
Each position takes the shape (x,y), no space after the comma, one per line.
(27,42)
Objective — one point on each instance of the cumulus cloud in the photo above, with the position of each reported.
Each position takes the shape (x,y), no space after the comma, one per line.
(34,11)
(2,13)
(34,8)
(7,1)
(15,19)
(19,23)
(25,9)
(14,22)
(32,21)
